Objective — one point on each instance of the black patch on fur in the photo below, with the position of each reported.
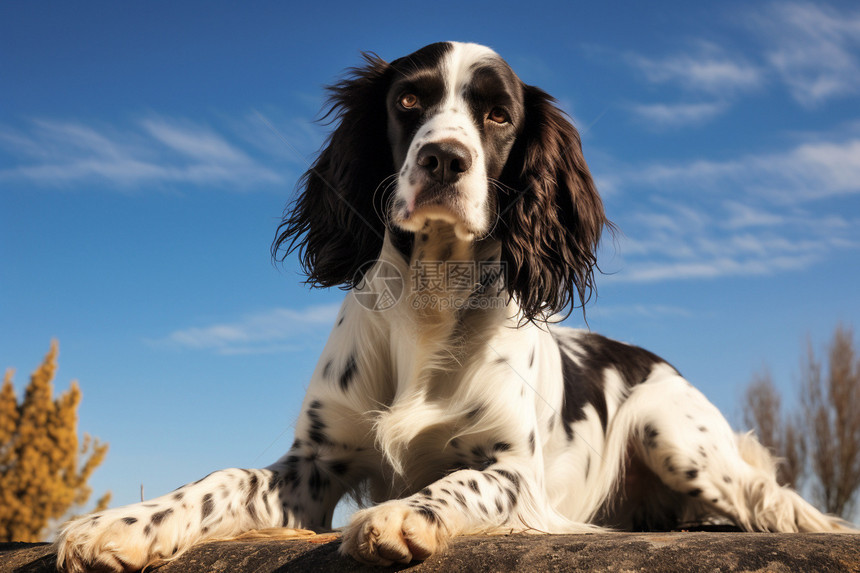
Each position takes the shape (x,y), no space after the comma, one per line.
(316,434)
(667,463)
(293,478)
(159,516)
(253,486)
(695,492)
(510,476)
(727,479)
(348,373)
(473,485)
(129,520)
(481,459)
(532,357)
(703,429)
(650,438)
(568,430)
(460,498)
(317,482)
(428,514)
(532,442)
(583,384)
(692,474)
(501,447)
(339,467)
(512,498)
(474,412)
(207,506)
(327,369)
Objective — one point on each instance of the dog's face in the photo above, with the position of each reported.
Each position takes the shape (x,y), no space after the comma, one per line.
(450,133)
(454,112)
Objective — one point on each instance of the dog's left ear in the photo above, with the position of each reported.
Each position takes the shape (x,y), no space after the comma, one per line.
(552,218)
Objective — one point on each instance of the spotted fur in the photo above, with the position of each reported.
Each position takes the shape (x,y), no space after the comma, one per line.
(471,414)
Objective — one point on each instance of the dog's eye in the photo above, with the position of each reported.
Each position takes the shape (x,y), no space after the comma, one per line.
(409,101)
(498,115)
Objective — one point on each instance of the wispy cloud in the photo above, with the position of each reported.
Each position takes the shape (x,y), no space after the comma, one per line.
(274,330)
(813,48)
(678,114)
(706,77)
(751,215)
(806,172)
(639,311)
(152,151)
(706,68)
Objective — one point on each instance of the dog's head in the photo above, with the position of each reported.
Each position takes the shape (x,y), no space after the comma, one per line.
(450,133)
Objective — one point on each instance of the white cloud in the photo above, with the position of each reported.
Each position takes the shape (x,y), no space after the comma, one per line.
(714,268)
(194,141)
(806,172)
(812,48)
(155,151)
(707,68)
(274,330)
(639,311)
(704,69)
(741,216)
(678,114)
(752,215)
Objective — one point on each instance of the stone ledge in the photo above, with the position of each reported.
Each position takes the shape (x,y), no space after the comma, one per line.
(615,552)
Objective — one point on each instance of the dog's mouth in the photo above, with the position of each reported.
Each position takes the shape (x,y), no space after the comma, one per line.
(443,203)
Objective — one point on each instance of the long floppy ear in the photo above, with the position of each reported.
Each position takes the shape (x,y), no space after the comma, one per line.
(552,219)
(335,221)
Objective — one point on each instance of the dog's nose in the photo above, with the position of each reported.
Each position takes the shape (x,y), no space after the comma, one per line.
(444,161)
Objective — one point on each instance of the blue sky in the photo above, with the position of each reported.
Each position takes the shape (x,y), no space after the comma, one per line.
(147,151)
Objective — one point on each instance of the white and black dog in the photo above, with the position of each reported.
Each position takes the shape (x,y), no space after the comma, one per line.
(455,201)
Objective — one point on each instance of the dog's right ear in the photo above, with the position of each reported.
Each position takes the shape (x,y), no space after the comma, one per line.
(335,223)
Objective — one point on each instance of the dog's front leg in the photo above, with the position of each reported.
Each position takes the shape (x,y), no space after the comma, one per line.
(299,491)
(414,527)
(224,503)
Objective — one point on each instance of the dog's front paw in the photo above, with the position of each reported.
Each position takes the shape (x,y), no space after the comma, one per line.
(116,540)
(394,532)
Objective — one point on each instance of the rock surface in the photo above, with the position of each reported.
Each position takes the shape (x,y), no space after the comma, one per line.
(616,552)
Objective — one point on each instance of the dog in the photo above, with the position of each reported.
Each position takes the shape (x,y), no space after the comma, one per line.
(454,201)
